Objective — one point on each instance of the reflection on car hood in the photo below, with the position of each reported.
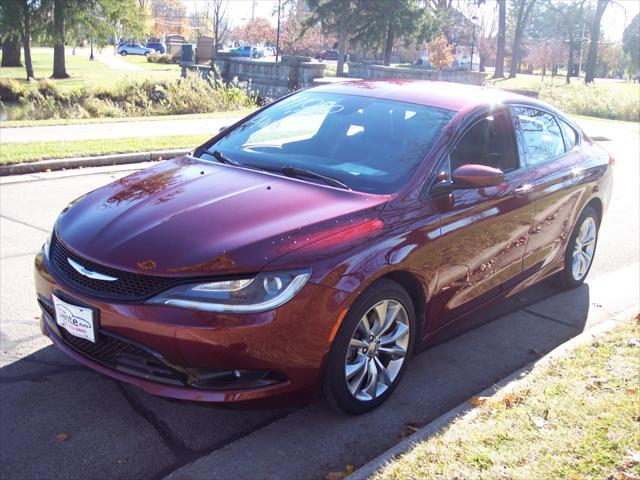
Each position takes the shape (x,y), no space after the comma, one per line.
(188,217)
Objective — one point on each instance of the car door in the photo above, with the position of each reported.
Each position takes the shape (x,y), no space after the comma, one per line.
(551,150)
(483,230)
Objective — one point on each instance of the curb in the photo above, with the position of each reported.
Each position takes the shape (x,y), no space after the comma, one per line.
(507,384)
(79,162)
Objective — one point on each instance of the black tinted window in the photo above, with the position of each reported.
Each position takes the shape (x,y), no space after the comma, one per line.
(542,137)
(489,142)
(569,134)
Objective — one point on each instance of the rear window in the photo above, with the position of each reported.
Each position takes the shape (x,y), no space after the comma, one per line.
(370,144)
(542,137)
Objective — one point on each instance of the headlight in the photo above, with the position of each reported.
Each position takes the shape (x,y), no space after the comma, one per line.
(261,293)
(47,244)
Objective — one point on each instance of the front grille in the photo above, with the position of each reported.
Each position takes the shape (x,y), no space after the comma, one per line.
(128,286)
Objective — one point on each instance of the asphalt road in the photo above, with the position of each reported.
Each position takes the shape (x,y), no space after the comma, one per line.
(116,431)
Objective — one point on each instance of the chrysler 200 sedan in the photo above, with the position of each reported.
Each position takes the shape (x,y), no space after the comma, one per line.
(319,242)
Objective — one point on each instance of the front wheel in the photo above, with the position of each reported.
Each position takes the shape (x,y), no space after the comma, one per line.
(123,53)
(581,250)
(371,350)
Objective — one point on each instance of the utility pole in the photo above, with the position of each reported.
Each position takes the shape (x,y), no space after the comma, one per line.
(253,9)
(473,41)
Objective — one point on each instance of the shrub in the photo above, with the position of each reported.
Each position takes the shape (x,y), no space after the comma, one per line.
(156,57)
(44,99)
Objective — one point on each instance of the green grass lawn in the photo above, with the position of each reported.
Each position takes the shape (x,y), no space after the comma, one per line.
(91,73)
(33,151)
(578,417)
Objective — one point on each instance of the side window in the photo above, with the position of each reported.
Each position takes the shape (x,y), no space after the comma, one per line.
(569,134)
(541,135)
(489,142)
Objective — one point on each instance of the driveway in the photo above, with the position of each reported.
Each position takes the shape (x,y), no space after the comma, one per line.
(61,420)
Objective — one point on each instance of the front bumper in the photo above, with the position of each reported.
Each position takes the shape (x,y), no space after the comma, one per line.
(274,358)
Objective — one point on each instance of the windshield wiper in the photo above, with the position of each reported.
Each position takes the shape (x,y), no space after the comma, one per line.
(296,172)
(218,155)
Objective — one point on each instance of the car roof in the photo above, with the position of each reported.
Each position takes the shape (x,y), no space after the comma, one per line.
(446,95)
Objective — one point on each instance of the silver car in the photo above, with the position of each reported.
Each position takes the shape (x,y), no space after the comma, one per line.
(133,49)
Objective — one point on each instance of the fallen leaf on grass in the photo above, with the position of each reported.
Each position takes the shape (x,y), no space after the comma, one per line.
(477,401)
(596,382)
(63,437)
(634,342)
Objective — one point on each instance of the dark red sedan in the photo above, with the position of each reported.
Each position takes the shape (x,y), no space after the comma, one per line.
(319,242)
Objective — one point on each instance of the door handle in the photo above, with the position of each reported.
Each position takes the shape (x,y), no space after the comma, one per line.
(577,174)
(523,190)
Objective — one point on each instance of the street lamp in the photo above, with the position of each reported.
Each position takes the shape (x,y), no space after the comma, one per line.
(473,41)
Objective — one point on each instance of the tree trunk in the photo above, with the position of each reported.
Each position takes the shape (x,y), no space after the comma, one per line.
(502,27)
(11,51)
(592,56)
(523,15)
(342,38)
(26,40)
(570,62)
(59,68)
(388,45)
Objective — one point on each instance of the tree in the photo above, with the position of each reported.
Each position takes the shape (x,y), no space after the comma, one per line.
(502,31)
(631,43)
(332,16)
(10,20)
(522,11)
(258,30)
(59,67)
(592,56)
(220,22)
(440,54)
(27,14)
(170,16)
(571,19)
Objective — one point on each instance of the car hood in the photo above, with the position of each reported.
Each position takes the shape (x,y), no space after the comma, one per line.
(188,217)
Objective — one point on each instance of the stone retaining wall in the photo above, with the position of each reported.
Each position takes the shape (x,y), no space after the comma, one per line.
(270,79)
(374,72)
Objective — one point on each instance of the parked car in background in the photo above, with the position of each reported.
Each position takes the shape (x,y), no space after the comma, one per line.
(331,55)
(248,51)
(316,244)
(269,51)
(158,46)
(133,49)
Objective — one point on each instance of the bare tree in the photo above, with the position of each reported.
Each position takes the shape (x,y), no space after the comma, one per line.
(221,27)
(522,16)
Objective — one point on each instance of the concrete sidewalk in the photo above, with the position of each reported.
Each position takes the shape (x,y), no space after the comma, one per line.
(97,131)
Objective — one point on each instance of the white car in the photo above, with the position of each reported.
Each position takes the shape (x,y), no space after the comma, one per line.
(134,49)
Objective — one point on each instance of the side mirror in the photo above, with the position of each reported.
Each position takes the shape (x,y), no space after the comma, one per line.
(472,175)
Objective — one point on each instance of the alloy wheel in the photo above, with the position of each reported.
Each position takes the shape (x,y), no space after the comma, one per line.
(584,248)
(377,350)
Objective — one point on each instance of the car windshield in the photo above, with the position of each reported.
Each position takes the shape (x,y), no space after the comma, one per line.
(369,144)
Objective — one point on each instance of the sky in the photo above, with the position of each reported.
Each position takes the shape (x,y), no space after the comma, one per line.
(617,16)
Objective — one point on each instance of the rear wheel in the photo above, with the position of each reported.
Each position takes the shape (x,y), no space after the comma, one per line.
(371,350)
(581,250)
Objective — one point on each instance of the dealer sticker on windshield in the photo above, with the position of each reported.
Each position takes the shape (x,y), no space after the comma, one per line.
(78,321)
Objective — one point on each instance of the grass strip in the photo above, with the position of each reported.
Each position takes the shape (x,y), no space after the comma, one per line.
(84,121)
(33,151)
(578,417)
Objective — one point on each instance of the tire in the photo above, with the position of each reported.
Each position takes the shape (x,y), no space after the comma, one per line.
(123,53)
(577,265)
(146,54)
(352,347)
